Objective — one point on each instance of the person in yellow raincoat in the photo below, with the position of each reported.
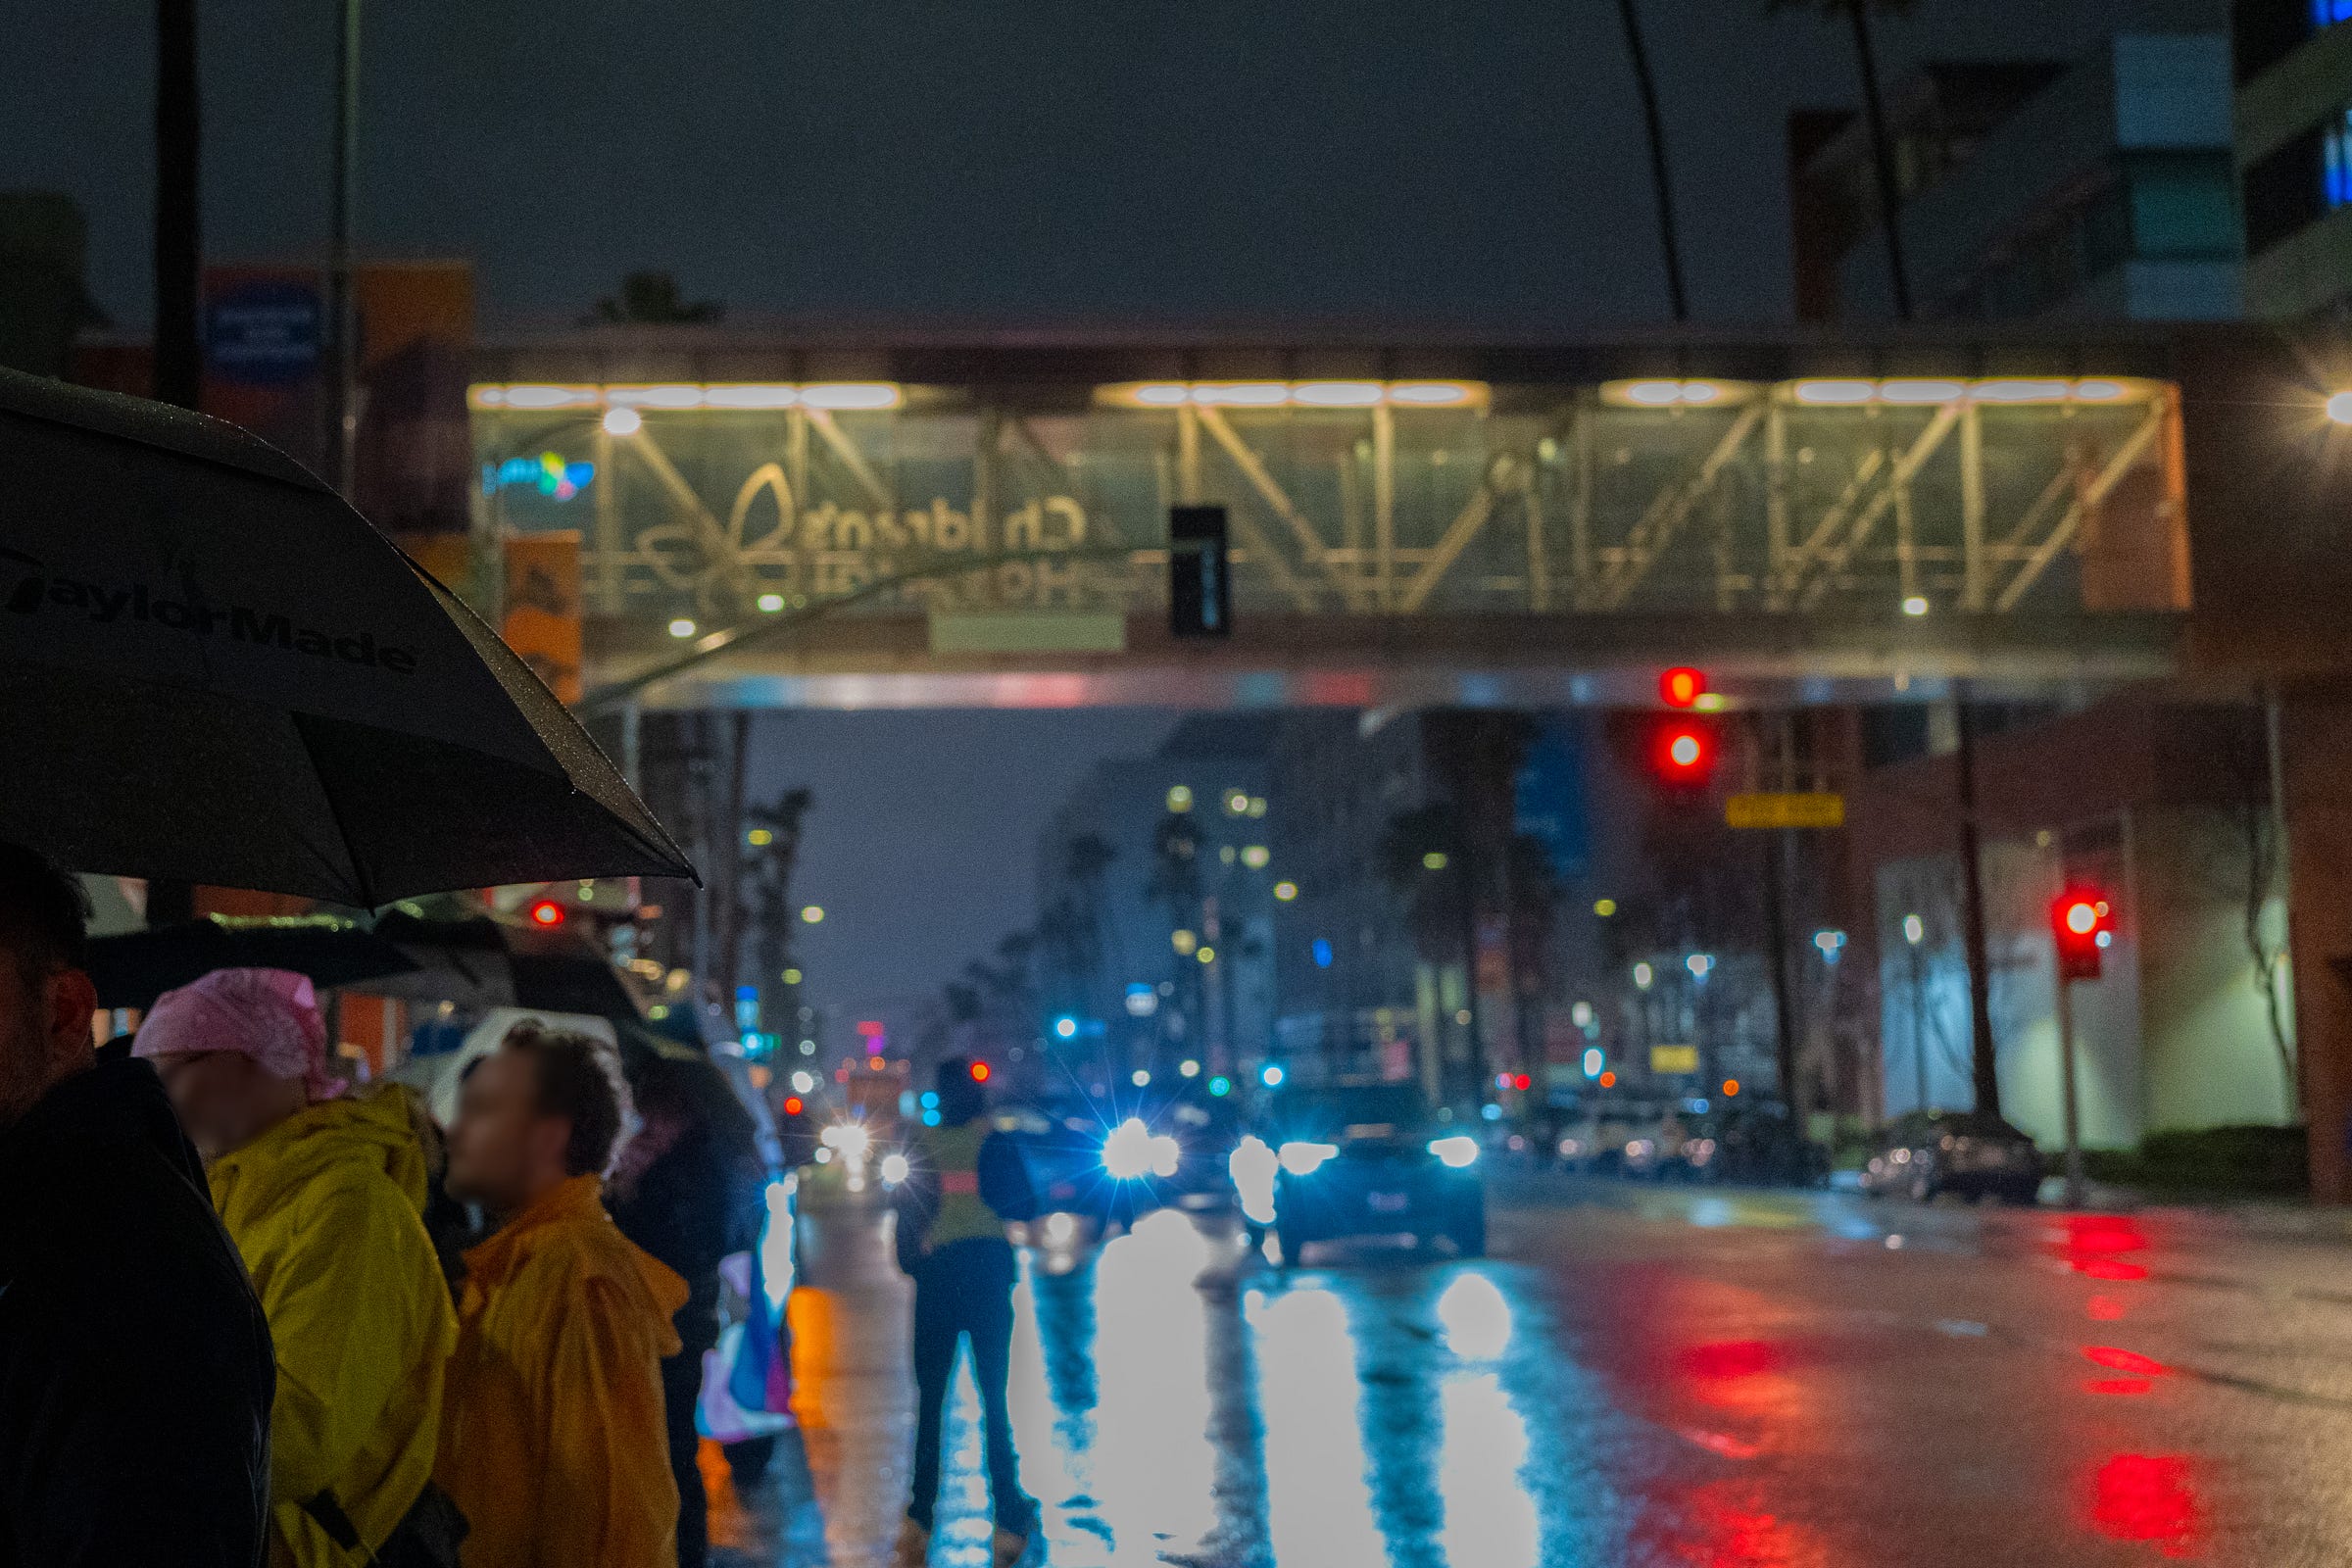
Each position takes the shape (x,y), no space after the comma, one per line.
(323,1195)
(553,1442)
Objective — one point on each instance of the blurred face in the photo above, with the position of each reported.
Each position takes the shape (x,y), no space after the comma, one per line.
(44,1031)
(503,1152)
(225,1099)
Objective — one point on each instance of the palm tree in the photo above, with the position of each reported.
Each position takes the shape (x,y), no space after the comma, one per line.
(651,299)
(1661,183)
(770,909)
(179,232)
(1874,113)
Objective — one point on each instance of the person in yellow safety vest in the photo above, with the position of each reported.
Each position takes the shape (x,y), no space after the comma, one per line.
(965,1182)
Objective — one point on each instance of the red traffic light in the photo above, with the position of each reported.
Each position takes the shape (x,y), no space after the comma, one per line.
(1684,752)
(793,1106)
(547,911)
(2082,926)
(1682,686)
(979,1072)
(1523,1082)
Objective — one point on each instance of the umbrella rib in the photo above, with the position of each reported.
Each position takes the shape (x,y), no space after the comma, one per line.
(360,883)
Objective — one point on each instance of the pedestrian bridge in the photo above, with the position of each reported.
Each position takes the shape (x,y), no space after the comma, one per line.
(952,524)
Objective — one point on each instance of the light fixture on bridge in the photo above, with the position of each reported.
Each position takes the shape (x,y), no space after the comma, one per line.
(2339,408)
(2020,390)
(1670,394)
(1922,391)
(1294,393)
(672,397)
(1915,605)
(623,421)
(681,627)
(1917,391)
(1835,392)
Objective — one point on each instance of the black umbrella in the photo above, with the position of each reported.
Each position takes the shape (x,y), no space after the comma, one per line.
(133,969)
(213,669)
(489,961)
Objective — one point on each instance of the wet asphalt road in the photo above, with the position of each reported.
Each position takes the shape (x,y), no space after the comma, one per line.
(1636,1376)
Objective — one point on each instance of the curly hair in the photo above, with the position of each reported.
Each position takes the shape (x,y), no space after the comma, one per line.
(579,1080)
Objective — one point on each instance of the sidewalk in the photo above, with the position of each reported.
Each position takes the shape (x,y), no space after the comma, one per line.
(835,1492)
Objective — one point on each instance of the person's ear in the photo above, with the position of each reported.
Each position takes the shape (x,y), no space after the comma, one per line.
(552,1139)
(73,1002)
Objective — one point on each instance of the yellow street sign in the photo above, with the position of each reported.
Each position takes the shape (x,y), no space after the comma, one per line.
(1784,810)
(1673,1058)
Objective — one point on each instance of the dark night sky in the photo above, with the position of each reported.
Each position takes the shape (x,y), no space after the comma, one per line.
(1008,162)
(921,844)
(1001,159)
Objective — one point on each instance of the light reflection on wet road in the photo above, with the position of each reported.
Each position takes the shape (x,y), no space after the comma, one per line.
(1639,1376)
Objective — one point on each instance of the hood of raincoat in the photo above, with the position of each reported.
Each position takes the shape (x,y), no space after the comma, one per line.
(376,1131)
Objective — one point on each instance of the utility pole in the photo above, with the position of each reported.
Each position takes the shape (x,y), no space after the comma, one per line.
(2069,1092)
(1982,1063)
(178,255)
(342,305)
(178,227)
(1873,109)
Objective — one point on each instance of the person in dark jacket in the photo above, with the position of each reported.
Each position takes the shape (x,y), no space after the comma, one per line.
(686,1189)
(135,1367)
(965,1182)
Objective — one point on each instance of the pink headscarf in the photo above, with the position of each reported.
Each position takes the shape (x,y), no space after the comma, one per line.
(268,1014)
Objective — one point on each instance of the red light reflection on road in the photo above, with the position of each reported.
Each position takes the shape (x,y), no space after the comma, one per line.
(2117,1385)
(2116,1360)
(2146,1497)
(2093,1245)
(2103,1308)
(1729,1358)
(1726,1523)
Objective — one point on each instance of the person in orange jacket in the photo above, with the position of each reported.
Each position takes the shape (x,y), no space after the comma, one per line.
(551,1440)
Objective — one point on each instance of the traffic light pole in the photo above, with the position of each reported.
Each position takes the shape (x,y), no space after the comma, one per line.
(2068,1094)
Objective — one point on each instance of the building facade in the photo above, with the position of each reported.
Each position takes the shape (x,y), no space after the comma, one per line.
(2294,150)
(2105,190)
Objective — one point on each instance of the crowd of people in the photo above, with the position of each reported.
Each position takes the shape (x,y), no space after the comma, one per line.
(227,1335)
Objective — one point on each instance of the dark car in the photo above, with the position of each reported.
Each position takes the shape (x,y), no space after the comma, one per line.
(1369,1160)
(1755,1145)
(1927,1153)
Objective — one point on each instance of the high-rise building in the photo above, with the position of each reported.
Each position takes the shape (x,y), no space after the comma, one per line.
(2294,146)
(1155,877)
(2103,189)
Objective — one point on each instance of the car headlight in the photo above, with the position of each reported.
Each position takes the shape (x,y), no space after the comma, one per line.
(1457,1152)
(1128,1151)
(1304,1159)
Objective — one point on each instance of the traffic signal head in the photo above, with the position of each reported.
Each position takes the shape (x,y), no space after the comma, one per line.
(2081,925)
(979,1072)
(1682,753)
(1199,583)
(547,912)
(1682,686)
